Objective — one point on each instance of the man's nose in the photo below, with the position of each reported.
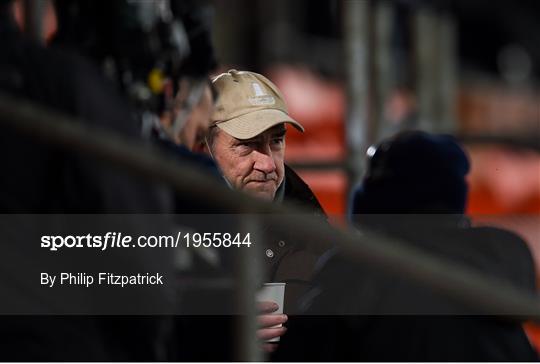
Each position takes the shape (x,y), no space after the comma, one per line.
(264,162)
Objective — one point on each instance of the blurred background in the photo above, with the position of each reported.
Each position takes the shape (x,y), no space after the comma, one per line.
(354,72)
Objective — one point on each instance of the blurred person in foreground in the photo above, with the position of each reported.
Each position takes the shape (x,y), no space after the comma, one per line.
(159,55)
(177,115)
(414,191)
(169,85)
(47,179)
(247,141)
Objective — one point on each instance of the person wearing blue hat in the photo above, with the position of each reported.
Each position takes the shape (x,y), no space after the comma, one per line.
(414,191)
(414,172)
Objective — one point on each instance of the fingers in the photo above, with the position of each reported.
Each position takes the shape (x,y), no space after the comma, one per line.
(271,320)
(267,307)
(271,333)
(269,347)
(271,324)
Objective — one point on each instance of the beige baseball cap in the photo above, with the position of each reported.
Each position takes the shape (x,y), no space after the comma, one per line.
(248,104)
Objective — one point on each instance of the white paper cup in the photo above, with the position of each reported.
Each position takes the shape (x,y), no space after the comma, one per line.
(274,292)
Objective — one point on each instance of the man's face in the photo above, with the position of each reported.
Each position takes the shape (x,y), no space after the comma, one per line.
(256,165)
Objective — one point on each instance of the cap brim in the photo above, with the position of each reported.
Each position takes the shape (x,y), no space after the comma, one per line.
(250,125)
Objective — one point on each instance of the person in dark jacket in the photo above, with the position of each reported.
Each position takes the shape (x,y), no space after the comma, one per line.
(414,191)
(160,57)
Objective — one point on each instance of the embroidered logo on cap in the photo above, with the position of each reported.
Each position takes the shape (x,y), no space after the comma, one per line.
(260,98)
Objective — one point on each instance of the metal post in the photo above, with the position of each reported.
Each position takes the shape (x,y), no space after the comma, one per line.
(448,74)
(277,18)
(436,70)
(385,73)
(248,276)
(357,128)
(425,48)
(33,19)
(227,31)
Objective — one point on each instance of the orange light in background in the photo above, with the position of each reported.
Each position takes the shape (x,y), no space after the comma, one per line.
(505,191)
(504,181)
(329,187)
(319,105)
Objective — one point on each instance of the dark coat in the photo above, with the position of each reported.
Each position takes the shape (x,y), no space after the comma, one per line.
(364,313)
(376,316)
(42,178)
(287,259)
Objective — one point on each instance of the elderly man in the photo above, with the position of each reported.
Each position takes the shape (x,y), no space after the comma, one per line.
(247,141)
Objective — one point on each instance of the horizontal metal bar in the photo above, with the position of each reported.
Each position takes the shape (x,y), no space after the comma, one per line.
(319,165)
(529,141)
(486,294)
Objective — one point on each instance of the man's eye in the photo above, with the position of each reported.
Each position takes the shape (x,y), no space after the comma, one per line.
(246,145)
(278,140)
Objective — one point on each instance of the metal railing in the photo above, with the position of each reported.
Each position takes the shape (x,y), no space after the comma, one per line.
(487,295)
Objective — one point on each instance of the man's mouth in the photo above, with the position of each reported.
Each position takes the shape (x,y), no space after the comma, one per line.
(260,178)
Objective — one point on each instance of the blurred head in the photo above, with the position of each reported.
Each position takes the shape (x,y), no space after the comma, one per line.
(159,53)
(247,138)
(193,134)
(194,128)
(414,172)
(147,47)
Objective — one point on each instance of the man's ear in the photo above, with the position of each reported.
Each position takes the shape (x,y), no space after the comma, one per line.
(200,147)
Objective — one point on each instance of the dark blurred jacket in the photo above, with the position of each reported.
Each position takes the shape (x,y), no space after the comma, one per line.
(42,178)
(415,192)
(360,313)
(288,259)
